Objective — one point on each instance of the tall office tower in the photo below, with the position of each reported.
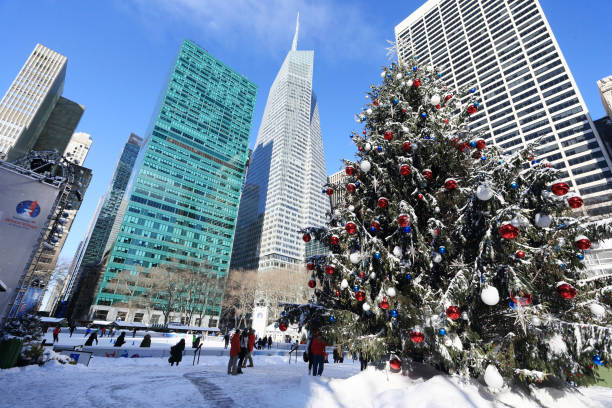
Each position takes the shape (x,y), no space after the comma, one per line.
(605,91)
(60,126)
(78,147)
(28,103)
(338,178)
(507,51)
(287,171)
(185,189)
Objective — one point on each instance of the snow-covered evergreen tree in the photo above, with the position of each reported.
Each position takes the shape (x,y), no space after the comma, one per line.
(445,251)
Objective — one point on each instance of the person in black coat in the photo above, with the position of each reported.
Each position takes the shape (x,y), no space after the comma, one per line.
(176,353)
(93,336)
(269,342)
(146,341)
(120,340)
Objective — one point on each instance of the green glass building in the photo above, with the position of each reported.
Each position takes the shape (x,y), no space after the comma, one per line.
(184,192)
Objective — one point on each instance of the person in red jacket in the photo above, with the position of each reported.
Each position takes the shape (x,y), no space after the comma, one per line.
(251,344)
(56,333)
(234,354)
(318,354)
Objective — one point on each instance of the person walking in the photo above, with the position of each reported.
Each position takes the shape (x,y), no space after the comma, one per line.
(87,331)
(120,340)
(244,347)
(72,327)
(112,332)
(318,354)
(146,341)
(102,331)
(234,355)
(197,342)
(176,353)
(363,360)
(226,338)
(56,333)
(134,333)
(269,342)
(251,344)
(93,336)
(309,353)
(340,353)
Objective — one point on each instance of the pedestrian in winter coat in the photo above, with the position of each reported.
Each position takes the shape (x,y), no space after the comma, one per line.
(317,348)
(146,341)
(72,327)
(340,353)
(176,353)
(269,342)
(234,355)
(197,342)
(226,338)
(363,360)
(309,354)
(102,331)
(87,331)
(244,347)
(120,340)
(134,333)
(56,333)
(93,336)
(251,343)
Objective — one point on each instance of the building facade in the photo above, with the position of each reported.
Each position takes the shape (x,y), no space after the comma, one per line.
(283,190)
(185,188)
(507,51)
(60,126)
(29,101)
(78,147)
(605,91)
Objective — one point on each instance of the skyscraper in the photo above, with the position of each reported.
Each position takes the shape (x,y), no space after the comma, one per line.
(507,51)
(60,126)
(283,189)
(185,189)
(605,91)
(29,101)
(78,147)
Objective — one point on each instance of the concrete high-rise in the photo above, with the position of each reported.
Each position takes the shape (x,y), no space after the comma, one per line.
(184,192)
(605,91)
(78,147)
(287,172)
(29,101)
(507,51)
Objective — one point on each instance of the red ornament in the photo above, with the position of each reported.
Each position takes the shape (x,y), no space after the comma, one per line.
(350,170)
(375,102)
(445,120)
(402,221)
(306,237)
(450,184)
(365,133)
(420,196)
(384,304)
(453,312)
(406,146)
(310,266)
(520,254)
(508,231)
(360,148)
(416,83)
(334,240)
(481,144)
(375,225)
(566,291)
(476,154)
(383,202)
(560,188)
(427,174)
(472,109)
(463,147)
(416,336)
(312,283)
(282,326)
(523,299)
(351,187)
(360,296)
(582,242)
(337,293)
(350,227)
(388,135)
(438,106)
(361,275)
(405,170)
(329,191)
(395,364)
(447,97)
(575,202)
(329,269)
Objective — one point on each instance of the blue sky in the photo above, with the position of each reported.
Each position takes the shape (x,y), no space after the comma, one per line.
(119,52)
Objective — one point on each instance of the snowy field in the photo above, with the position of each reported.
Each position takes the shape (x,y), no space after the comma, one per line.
(151,382)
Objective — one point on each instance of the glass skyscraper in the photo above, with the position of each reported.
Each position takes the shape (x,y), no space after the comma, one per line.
(507,50)
(185,189)
(287,172)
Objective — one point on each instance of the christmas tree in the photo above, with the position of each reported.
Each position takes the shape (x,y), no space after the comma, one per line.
(447,252)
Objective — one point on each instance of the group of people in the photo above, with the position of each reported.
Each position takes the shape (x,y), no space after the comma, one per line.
(260,343)
(240,351)
(315,354)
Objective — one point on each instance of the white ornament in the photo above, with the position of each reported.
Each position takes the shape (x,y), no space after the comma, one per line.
(597,310)
(403,83)
(493,378)
(337,213)
(367,96)
(399,76)
(542,220)
(484,192)
(344,284)
(369,111)
(351,208)
(355,257)
(366,307)
(448,342)
(436,257)
(535,320)
(367,147)
(414,146)
(373,275)
(391,292)
(365,166)
(464,316)
(557,345)
(490,296)
(409,82)
(435,100)
(397,251)
(519,221)
(383,74)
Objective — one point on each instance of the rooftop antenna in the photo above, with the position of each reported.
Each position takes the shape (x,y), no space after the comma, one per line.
(295,37)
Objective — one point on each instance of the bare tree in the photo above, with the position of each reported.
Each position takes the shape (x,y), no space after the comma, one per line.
(240,289)
(286,285)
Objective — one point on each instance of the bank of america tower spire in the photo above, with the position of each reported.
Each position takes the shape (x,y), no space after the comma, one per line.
(282,193)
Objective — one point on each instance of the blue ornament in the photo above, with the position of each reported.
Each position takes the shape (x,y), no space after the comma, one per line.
(534,162)
(332,319)
(357,184)
(427,137)
(439,75)
(363,118)
(379,148)
(388,75)
(483,158)
(408,276)
(416,57)
(351,136)
(433,138)
(442,250)
(597,360)
(472,90)
(355,288)
(376,255)
(372,229)
(500,162)
(580,257)
(394,313)
(415,68)
(406,229)
(442,331)
(476,104)
(423,115)
(512,305)
(283,313)
(562,266)
(514,185)
(395,101)
(473,143)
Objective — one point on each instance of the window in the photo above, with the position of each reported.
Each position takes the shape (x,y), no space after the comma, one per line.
(121,316)
(155,319)
(138,317)
(100,314)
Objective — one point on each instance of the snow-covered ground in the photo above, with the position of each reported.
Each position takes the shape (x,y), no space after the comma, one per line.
(151,382)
